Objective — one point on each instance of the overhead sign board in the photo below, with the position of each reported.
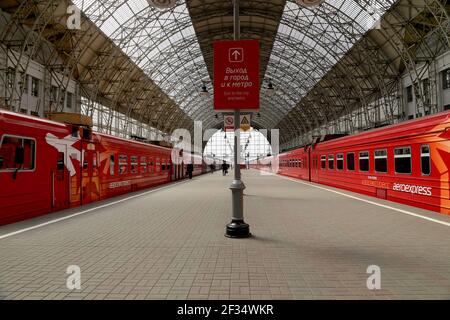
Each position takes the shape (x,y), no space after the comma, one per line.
(236,75)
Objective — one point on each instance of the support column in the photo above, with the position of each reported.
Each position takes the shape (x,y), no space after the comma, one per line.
(237,228)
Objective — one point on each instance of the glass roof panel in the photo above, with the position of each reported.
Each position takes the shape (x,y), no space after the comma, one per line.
(162,43)
(310,41)
(315,39)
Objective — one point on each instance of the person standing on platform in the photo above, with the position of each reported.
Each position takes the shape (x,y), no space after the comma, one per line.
(190,169)
(224,168)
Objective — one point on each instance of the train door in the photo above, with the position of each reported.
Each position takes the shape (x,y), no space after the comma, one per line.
(90,175)
(316,167)
(181,171)
(309,164)
(174,172)
(60,180)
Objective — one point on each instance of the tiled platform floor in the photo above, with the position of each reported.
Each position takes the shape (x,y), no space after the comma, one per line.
(308,244)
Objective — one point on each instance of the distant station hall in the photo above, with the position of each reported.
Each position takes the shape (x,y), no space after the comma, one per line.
(225,150)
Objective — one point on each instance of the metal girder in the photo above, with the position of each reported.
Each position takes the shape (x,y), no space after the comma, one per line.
(324,62)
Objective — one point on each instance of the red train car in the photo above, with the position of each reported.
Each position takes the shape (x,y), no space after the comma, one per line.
(407,163)
(47,166)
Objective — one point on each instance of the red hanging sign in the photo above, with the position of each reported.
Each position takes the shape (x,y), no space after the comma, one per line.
(236,75)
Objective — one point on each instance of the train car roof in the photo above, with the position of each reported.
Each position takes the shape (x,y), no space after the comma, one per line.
(9,114)
(143,144)
(5,114)
(380,133)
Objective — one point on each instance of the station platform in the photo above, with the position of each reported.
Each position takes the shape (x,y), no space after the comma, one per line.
(309,242)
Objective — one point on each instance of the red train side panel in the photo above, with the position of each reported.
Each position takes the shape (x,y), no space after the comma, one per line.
(46,166)
(407,163)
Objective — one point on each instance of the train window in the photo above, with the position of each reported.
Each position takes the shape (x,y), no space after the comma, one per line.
(60,166)
(323,162)
(340,161)
(17,153)
(425,160)
(112,162)
(157,165)
(143,164)
(402,157)
(94,160)
(163,166)
(134,165)
(351,161)
(151,167)
(381,163)
(364,161)
(60,161)
(75,130)
(123,164)
(330,161)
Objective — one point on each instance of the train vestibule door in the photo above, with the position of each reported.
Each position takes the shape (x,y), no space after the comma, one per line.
(316,167)
(60,180)
(90,174)
(174,172)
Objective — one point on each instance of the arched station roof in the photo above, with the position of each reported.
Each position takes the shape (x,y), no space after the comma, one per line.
(324,61)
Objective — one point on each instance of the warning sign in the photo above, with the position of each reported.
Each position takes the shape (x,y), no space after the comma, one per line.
(245,122)
(228,123)
(236,75)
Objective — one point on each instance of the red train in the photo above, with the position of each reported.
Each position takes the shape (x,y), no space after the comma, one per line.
(407,163)
(46,166)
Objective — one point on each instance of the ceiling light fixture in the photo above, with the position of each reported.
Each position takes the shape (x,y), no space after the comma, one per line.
(270,91)
(204,92)
(162,4)
(310,3)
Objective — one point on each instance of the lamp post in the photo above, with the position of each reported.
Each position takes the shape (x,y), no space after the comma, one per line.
(237,228)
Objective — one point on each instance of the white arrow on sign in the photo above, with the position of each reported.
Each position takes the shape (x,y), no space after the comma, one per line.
(236,54)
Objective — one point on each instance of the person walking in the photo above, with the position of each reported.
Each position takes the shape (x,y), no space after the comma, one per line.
(224,168)
(190,169)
